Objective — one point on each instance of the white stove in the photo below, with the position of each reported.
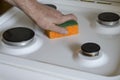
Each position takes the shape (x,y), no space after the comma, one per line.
(57,58)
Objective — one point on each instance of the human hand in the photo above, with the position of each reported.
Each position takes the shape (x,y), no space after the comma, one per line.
(45,16)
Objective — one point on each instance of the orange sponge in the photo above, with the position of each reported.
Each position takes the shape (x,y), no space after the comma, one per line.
(71,26)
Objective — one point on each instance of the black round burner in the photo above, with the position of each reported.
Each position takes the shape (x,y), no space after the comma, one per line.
(108,18)
(90,49)
(18,35)
(51,5)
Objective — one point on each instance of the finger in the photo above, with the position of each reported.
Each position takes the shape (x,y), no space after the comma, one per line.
(58,29)
(65,18)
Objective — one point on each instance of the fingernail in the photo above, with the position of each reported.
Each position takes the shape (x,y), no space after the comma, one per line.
(64,32)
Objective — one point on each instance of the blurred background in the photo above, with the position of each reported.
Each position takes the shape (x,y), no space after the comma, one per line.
(4,6)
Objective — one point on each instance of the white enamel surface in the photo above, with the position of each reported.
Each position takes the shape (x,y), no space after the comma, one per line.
(108,31)
(92,62)
(56,57)
(35,45)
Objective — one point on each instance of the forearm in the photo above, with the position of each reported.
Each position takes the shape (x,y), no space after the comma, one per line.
(26,5)
(46,17)
(10,1)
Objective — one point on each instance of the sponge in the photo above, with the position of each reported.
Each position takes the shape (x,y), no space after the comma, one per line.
(71,26)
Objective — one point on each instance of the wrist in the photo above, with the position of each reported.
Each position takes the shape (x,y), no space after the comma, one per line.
(23,4)
(28,6)
(10,1)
